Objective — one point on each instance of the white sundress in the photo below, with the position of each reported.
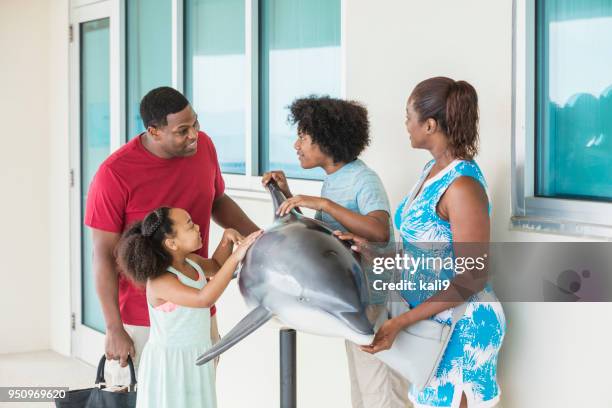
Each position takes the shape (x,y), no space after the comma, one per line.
(168,376)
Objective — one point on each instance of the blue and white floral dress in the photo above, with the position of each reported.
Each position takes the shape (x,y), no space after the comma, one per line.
(469,364)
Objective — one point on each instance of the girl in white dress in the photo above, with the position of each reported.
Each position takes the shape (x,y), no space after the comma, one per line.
(158,252)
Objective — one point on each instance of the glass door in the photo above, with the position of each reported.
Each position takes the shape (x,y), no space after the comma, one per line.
(93,137)
(94,145)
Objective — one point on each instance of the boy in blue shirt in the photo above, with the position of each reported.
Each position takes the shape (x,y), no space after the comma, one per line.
(332,133)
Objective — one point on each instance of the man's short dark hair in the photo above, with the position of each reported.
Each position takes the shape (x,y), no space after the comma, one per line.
(340,128)
(159,103)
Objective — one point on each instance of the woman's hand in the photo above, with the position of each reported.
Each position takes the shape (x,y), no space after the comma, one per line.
(280,179)
(245,244)
(231,235)
(358,243)
(315,203)
(384,338)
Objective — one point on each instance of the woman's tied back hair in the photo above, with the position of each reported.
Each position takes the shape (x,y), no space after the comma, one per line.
(454,107)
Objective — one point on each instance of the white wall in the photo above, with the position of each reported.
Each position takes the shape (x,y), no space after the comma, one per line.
(24,114)
(58,205)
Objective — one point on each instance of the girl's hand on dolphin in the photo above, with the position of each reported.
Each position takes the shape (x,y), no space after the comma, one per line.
(384,337)
(281,181)
(245,244)
(315,203)
(231,235)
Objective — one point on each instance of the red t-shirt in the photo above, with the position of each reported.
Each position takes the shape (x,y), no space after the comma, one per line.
(132,181)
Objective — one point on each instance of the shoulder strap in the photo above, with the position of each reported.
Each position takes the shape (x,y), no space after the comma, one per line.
(458,312)
(173,270)
(196,266)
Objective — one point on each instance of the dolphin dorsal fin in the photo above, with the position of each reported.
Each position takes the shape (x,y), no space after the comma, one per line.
(278,197)
(251,322)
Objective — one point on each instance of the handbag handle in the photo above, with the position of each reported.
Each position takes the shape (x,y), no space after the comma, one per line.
(458,311)
(101,382)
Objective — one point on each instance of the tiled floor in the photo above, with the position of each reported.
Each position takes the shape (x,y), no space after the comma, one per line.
(43,369)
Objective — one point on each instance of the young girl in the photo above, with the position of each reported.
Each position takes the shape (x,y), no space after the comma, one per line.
(158,252)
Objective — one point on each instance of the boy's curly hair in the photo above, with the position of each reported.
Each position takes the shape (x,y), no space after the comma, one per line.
(340,128)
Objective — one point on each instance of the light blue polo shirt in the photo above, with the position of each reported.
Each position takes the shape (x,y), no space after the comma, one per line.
(355,187)
(358,188)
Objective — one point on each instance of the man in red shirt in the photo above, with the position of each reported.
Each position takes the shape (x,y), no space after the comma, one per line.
(171,164)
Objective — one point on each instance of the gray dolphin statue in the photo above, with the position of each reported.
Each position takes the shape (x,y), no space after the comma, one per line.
(299,272)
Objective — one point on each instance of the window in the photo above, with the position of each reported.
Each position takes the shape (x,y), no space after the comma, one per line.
(215,75)
(562,158)
(94,144)
(299,55)
(574,99)
(245,62)
(148,54)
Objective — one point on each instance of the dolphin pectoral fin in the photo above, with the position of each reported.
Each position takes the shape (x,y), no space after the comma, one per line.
(251,322)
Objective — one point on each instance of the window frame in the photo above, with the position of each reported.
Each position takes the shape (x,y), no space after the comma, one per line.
(529,211)
(248,185)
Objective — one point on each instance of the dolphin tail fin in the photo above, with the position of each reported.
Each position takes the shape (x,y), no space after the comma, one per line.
(251,322)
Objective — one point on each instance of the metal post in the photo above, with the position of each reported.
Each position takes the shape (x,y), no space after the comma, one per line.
(288,395)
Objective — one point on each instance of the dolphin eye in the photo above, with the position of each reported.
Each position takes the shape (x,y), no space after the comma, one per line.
(330,252)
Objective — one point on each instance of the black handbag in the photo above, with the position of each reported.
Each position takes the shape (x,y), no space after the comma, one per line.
(96,397)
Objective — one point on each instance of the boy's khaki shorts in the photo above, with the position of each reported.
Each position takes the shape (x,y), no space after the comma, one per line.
(373,383)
